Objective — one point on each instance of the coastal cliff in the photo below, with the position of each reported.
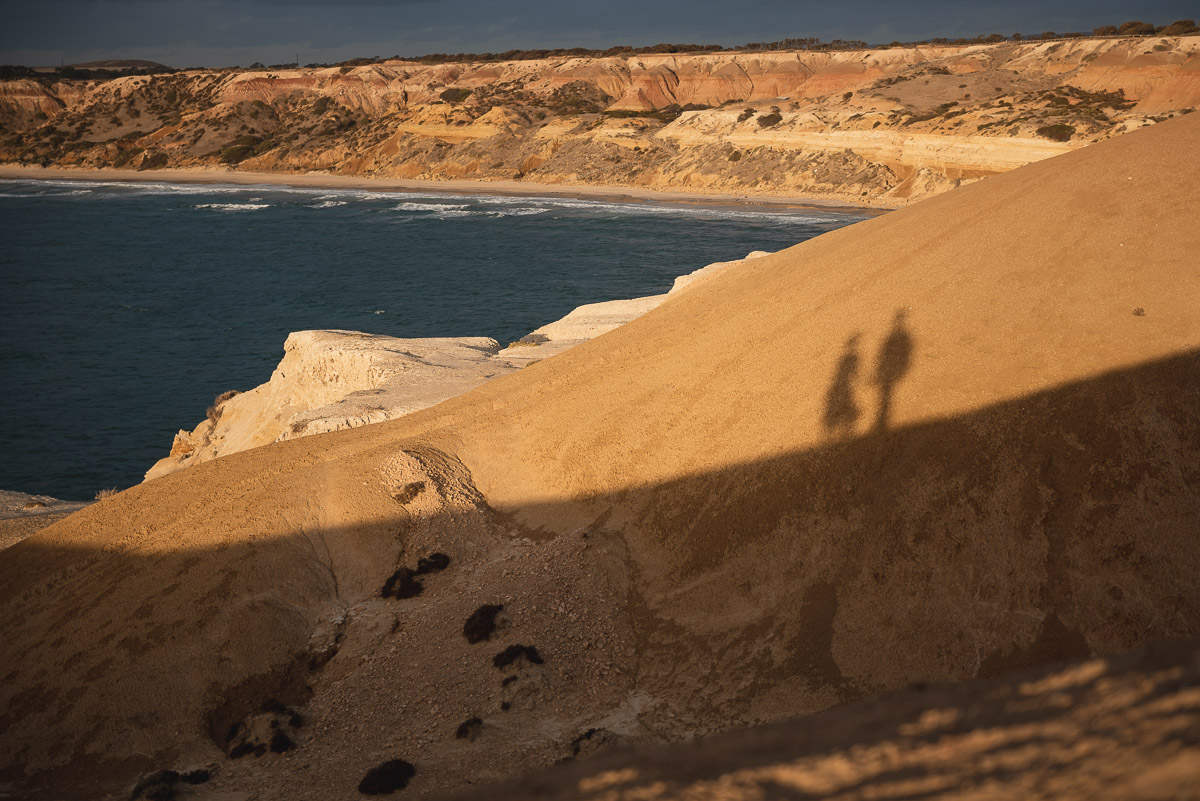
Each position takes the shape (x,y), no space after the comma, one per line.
(876,126)
(332,380)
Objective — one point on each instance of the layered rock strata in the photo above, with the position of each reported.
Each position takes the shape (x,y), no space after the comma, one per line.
(877,126)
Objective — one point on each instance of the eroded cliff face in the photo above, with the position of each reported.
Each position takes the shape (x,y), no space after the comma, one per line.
(333,380)
(879,126)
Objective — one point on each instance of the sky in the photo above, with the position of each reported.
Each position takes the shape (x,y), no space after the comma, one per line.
(213,33)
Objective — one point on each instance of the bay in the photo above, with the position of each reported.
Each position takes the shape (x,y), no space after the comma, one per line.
(126,307)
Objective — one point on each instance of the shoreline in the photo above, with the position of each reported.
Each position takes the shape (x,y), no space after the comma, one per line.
(321,180)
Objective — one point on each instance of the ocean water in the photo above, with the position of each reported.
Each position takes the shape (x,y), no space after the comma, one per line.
(126,307)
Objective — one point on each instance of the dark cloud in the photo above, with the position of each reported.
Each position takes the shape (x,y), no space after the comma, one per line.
(204,32)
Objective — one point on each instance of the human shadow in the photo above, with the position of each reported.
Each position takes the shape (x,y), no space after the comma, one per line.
(841,409)
(709,565)
(892,364)
(895,358)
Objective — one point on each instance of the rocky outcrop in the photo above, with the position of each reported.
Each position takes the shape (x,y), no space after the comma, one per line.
(332,380)
(878,126)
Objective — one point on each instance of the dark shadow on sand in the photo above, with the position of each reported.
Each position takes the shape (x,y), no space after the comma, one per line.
(1058,480)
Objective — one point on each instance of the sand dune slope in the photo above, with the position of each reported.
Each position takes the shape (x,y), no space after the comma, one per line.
(954,441)
(1117,727)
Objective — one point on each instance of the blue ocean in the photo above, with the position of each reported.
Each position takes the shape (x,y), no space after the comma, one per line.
(126,307)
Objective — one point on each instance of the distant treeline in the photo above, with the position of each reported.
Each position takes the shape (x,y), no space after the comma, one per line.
(1131,28)
(10,72)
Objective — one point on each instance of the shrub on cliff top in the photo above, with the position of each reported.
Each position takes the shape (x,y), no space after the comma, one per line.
(214,412)
(770,120)
(1179,28)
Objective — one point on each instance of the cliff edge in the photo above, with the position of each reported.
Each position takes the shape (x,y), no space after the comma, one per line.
(881,126)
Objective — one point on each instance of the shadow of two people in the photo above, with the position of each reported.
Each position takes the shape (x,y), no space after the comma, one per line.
(892,363)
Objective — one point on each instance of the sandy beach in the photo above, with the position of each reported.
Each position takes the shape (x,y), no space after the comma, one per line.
(322,180)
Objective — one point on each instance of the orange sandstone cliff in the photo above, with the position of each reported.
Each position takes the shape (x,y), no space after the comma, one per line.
(878,126)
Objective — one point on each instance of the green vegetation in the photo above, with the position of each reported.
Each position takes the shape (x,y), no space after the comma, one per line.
(153,161)
(125,156)
(1059,132)
(455,95)
(244,147)
(578,97)
(668,114)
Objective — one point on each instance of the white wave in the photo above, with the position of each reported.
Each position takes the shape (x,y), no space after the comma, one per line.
(328,204)
(519,212)
(442,204)
(441,207)
(232,206)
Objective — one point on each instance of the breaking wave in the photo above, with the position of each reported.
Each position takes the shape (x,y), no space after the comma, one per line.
(233,206)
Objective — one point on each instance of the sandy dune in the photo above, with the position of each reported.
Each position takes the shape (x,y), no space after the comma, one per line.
(951,442)
(1121,727)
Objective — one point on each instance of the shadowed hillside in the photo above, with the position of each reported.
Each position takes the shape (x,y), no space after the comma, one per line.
(950,442)
(1122,727)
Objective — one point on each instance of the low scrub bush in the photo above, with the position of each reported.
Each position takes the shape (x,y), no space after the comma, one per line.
(434,563)
(1059,132)
(402,584)
(123,157)
(153,161)
(455,95)
(387,777)
(515,652)
(468,729)
(482,623)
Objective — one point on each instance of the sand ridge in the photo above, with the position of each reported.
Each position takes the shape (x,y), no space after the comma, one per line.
(936,445)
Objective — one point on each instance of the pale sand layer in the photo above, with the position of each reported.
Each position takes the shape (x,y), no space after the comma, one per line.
(22,515)
(508,188)
(956,440)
